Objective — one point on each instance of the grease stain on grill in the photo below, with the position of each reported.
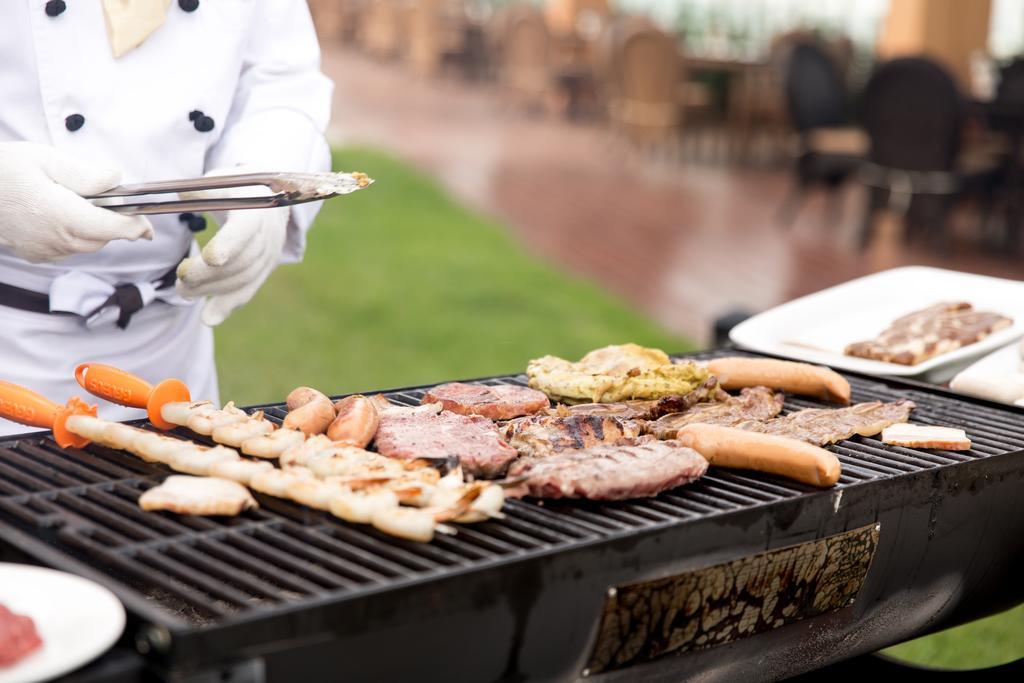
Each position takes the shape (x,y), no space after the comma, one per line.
(715,605)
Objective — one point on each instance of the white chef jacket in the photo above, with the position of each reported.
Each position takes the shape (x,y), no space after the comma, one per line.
(252,66)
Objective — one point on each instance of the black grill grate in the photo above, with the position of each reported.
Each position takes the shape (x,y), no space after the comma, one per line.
(189,572)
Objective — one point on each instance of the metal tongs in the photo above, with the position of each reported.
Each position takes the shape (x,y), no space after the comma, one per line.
(286,189)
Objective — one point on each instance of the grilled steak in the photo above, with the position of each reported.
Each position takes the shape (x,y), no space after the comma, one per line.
(428,432)
(823,426)
(648,410)
(543,435)
(923,334)
(636,468)
(753,404)
(500,402)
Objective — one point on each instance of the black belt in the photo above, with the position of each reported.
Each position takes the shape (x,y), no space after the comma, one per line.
(126,297)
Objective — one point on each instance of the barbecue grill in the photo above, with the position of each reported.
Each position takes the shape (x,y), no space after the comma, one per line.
(738,576)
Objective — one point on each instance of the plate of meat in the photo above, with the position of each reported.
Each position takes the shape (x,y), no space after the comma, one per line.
(51,622)
(911,322)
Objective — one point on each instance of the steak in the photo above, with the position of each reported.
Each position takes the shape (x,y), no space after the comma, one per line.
(635,468)
(822,426)
(429,432)
(923,334)
(501,402)
(543,435)
(753,404)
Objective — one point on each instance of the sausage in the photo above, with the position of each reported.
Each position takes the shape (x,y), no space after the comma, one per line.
(796,378)
(739,449)
(356,423)
(311,418)
(303,395)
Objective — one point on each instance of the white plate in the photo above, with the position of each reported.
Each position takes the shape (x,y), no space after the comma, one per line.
(78,620)
(1003,368)
(816,328)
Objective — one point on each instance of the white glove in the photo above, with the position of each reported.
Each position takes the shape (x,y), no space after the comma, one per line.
(236,262)
(42,214)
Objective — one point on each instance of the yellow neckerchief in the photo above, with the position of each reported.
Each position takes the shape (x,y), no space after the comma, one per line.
(129,22)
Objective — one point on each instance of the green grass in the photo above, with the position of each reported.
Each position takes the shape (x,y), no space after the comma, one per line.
(983,643)
(400,285)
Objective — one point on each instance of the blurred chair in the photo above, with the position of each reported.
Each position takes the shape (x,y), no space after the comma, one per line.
(523,46)
(829,148)
(384,28)
(1005,118)
(642,75)
(914,115)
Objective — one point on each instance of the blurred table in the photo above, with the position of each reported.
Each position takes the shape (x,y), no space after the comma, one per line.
(743,81)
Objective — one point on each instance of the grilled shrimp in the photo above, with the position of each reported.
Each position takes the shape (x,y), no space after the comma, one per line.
(204,421)
(360,507)
(179,412)
(314,493)
(274,444)
(236,433)
(275,482)
(240,470)
(198,460)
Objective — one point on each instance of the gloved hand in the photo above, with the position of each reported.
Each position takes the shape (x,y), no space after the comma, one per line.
(42,214)
(236,262)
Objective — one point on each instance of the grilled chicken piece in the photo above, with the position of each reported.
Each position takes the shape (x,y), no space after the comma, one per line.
(614,373)
(752,405)
(198,496)
(822,426)
(545,435)
(647,410)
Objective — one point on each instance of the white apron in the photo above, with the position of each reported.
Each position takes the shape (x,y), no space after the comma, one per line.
(226,83)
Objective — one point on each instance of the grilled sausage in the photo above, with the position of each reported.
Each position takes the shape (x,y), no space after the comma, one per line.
(312,418)
(740,449)
(356,423)
(303,395)
(796,378)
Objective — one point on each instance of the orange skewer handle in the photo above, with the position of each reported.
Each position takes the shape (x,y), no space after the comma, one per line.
(124,388)
(26,407)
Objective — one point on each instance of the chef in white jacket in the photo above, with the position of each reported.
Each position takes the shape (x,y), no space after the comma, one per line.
(96,93)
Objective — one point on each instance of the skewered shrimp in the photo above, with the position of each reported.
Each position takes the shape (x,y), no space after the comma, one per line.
(178,412)
(275,482)
(300,454)
(420,525)
(153,447)
(236,433)
(274,444)
(314,493)
(240,470)
(86,425)
(205,420)
(360,507)
(197,459)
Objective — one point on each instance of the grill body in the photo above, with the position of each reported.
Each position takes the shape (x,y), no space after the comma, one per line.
(302,596)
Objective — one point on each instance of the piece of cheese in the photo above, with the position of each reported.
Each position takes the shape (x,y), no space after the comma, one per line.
(925,436)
